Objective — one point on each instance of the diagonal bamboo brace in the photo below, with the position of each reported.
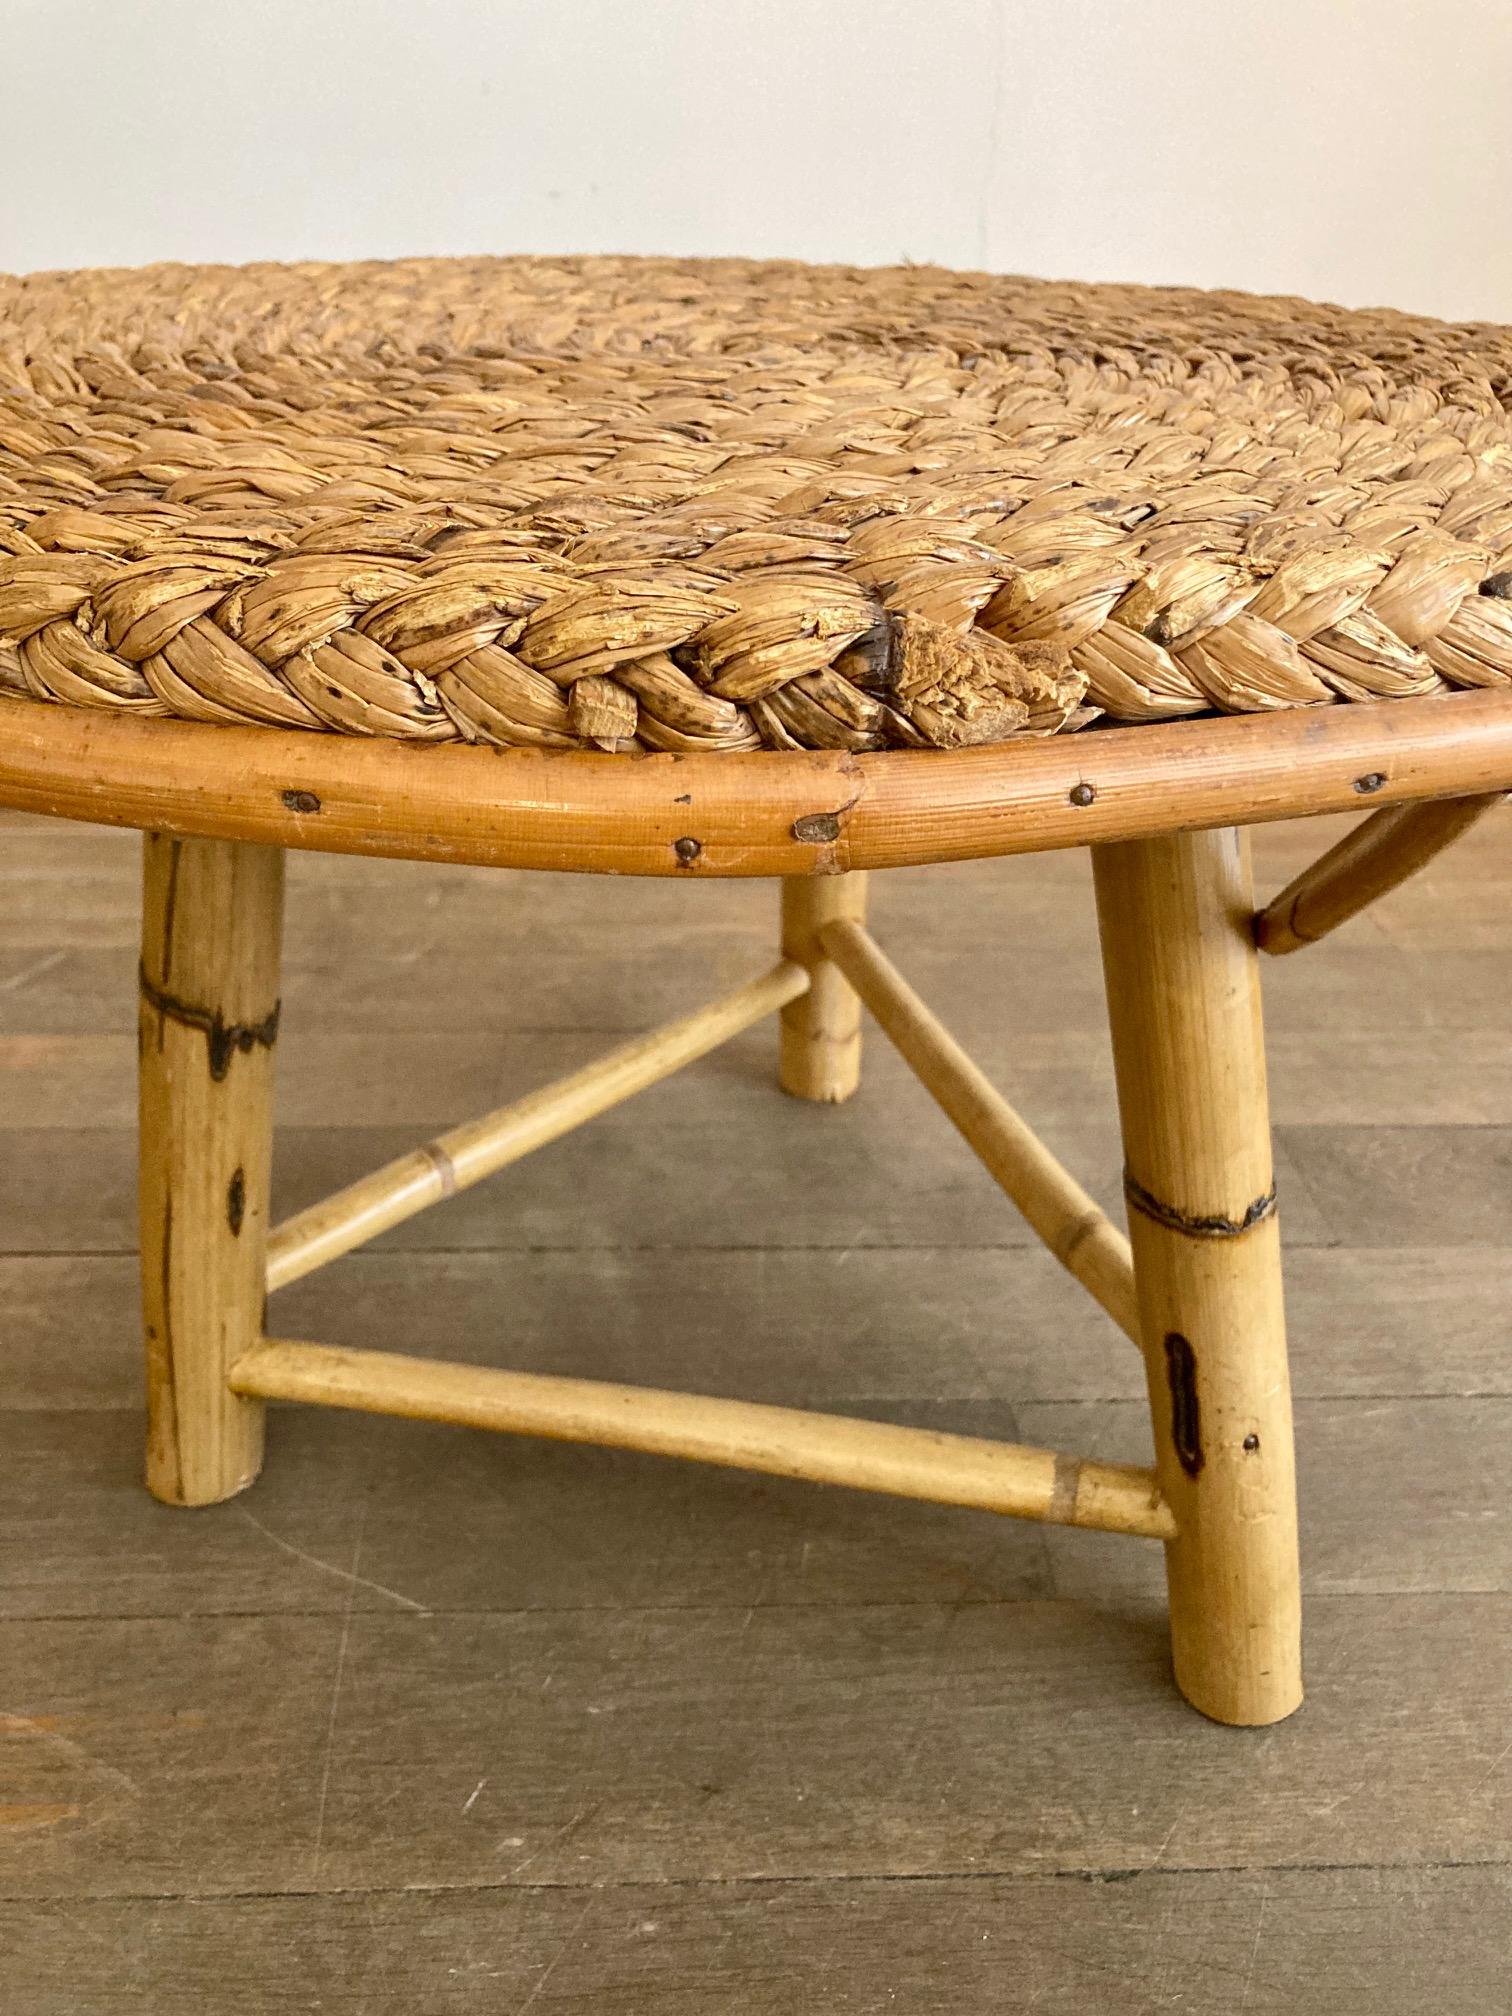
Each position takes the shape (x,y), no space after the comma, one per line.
(465,1155)
(1005,1477)
(1380,854)
(1084,1240)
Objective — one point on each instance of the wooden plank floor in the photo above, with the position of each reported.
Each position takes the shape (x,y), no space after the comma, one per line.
(432,1722)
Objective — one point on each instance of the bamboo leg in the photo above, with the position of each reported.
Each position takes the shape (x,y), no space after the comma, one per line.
(821,1032)
(1184,1005)
(212,911)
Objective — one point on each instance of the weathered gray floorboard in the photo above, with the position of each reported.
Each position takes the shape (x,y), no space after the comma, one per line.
(298,1753)
(1159,1943)
(806,1325)
(1398,1496)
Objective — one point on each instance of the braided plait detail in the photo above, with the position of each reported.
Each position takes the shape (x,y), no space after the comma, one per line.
(681,506)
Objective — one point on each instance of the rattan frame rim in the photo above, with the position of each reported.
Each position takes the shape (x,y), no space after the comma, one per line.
(762,814)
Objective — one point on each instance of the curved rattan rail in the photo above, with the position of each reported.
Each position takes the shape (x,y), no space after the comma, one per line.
(814,812)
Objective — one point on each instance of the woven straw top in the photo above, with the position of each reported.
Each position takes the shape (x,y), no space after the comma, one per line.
(686,505)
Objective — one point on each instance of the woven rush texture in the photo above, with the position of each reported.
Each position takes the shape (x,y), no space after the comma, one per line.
(688,505)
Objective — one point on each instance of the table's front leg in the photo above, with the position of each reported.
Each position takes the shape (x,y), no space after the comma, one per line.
(1184,1006)
(212,915)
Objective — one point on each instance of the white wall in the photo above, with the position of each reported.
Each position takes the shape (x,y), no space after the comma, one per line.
(1357,150)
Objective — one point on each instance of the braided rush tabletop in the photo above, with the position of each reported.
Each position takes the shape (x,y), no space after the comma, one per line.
(689,506)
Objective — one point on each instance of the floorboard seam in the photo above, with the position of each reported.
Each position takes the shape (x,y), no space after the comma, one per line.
(1114,1608)
(1113,1875)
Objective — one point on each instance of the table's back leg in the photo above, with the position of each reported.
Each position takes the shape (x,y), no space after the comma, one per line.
(212,914)
(1184,1006)
(821,1030)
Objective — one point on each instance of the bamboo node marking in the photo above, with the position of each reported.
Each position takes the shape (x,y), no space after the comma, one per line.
(1061,1510)
(1080,1231)
(443,1165)
(1186,1412)
(223,1038)
(1214,1226)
